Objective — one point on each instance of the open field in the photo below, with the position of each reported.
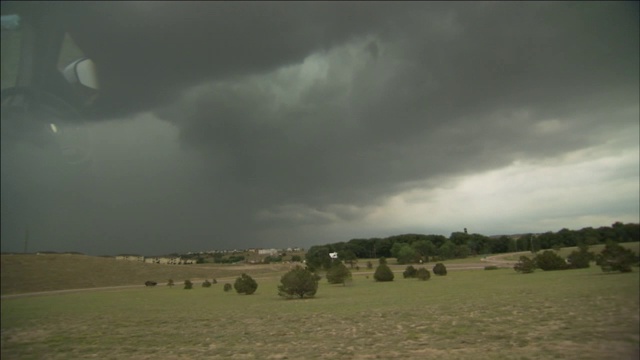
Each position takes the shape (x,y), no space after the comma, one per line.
(574,314)
(564,252)
(35,273)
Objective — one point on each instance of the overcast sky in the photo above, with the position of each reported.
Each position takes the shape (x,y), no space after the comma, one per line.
(274,125)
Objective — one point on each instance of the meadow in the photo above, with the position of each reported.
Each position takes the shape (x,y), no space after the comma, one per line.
(468,314)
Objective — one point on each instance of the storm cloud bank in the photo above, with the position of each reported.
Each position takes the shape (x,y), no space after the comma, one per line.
(293,124)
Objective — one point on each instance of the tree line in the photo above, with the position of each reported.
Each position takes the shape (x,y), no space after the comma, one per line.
(413,248)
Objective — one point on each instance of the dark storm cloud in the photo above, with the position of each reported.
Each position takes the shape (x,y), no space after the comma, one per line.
(454,91)
(293,115)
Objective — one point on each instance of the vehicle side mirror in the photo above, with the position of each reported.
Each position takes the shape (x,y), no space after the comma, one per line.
(82,72)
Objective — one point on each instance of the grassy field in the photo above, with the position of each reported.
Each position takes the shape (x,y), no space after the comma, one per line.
(475,314)
(34,273)
(564,252)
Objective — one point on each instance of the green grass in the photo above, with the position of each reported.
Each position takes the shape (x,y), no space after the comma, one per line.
(575,314)
(34,273)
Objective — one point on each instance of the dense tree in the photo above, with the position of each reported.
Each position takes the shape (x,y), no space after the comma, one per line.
(348,257)
(296,258)
(245,285)
(447,250)
(440,269)
(227,287)
(425,249)
(406,254)
(525,265)
(409,272)
(616,258)
(188,285)
(206,283)
(580,259)
(318,257)
(383,273)
(338,273)
(548,260)
(423,274)
(298,282)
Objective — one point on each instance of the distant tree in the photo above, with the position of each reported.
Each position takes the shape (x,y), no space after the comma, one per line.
(215,281)
(409,272)
(423,274)
(382,261)
(548,260)
(447,250)
(407,255)
(318,257)
(580,259)
(383,272)
(206,284)
(338,273)
(188,285)
(245,285)
(170,283)
(227,287)
(348,257)
(525,265)
(296,258)
(424,248)
(298,282)
(616,258)
(200,260)
(440,269)
(369,265)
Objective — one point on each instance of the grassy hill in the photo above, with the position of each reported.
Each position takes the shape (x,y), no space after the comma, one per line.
(23,273)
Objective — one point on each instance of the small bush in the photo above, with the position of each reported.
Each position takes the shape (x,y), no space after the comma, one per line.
(409,272)
(525,265)
(298,282)
(423,274)
(338,273)
(150,283)
(170,283)
(245,285)
(188,285)
(214,281)
(580,259)
(227,287)
(491,267)
(206,284)
(369,265)
(616,258)
(548,260)
(440,269)
(383,273)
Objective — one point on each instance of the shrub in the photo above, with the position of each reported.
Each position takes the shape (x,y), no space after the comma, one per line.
(206,283)
(423,274)
(170,283)
(296,258)
(616,258)
(188,285)
(227,287)
(150,283)
(215,281)
(369,265)
(382,261)
(383,273)
(245,285)
(491,267)
(525,265)
(440,269)
(298,282)
(548,260)
(338,273)
(580,259)
(409,272)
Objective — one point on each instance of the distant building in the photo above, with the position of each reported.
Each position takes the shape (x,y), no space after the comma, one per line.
(130,257)
(272,252)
